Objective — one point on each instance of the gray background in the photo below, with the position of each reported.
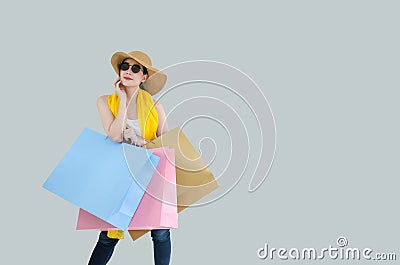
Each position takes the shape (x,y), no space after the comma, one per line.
(330,71)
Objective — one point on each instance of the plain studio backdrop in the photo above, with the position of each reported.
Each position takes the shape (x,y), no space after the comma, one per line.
(329,70)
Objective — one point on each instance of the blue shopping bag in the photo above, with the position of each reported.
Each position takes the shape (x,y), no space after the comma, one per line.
(105,178)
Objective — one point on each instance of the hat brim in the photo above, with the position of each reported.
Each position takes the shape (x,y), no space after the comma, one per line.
(156,80)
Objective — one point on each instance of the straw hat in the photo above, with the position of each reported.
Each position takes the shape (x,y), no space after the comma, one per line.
(156,80)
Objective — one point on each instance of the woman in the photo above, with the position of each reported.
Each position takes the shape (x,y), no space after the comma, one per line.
(130,115)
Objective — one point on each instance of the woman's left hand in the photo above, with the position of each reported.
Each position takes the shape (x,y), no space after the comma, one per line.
(131,136)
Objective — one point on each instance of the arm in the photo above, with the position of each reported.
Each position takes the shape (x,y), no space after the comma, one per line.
(113,127)
(162,119)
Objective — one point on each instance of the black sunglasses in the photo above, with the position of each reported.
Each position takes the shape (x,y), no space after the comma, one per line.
(125,66)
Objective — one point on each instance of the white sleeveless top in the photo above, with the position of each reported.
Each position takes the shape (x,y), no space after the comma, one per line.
(134,124)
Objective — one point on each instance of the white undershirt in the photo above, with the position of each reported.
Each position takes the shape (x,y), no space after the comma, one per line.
(135,125)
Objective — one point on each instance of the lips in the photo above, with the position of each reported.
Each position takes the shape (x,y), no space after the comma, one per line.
(127,78)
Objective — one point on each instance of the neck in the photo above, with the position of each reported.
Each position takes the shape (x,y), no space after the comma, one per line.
(131,93)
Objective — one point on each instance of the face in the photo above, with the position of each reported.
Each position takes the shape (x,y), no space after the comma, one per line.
(128,77)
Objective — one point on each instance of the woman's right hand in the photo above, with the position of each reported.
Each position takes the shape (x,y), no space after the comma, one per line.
(119,89)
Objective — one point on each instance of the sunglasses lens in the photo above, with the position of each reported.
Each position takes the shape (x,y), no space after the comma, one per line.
(124,66)
(135,68)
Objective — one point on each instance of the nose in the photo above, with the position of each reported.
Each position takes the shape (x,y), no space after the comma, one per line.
(129,72)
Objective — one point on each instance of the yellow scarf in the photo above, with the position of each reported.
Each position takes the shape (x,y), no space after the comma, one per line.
(147,114)
(148,122)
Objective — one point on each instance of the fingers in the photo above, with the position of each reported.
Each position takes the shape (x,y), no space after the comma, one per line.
(130,135)
(129,132)
(116,85)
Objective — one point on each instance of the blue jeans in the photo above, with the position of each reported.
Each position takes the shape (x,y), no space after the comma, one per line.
(104,248)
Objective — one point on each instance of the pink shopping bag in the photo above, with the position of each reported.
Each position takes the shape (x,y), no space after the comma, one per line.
(158,207)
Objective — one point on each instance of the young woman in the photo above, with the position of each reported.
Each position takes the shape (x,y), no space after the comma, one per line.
(130,115)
